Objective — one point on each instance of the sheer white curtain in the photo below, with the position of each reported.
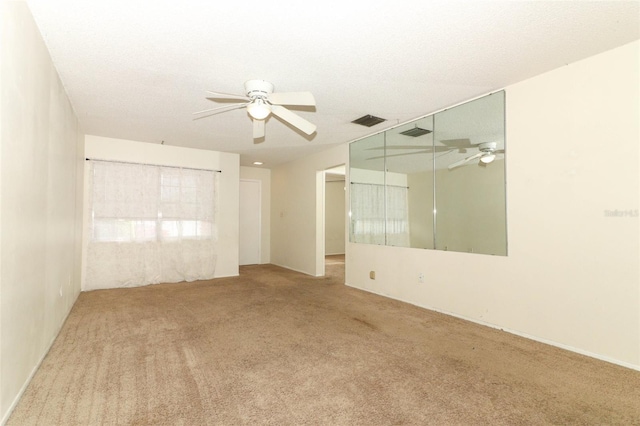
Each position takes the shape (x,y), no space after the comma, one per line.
(367,213)
(149,224)
(397,216)
(370,223)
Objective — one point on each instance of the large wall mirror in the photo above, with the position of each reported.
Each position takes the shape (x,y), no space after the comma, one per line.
(437,182)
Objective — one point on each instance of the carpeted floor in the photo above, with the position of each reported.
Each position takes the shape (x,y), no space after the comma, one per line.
(334,259)
(280,348)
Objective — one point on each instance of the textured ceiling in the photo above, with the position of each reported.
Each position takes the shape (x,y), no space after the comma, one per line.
(139,69)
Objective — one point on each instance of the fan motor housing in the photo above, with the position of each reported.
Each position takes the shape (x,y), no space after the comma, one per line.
(258,88)
(488,146)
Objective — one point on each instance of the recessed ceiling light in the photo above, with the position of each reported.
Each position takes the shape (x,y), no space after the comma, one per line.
(258,163)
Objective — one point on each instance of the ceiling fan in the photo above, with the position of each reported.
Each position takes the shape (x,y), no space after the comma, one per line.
(414,149)
(449,145)
(487,153)
(261,102)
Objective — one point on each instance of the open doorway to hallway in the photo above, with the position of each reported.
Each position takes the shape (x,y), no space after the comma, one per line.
(334,218)
(250,201)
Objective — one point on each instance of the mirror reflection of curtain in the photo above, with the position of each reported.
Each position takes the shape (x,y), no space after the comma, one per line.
(149,224)
(370,224)
(397,216)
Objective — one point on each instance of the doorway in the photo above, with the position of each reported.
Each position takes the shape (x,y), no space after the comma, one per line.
(334,217)
(249,221)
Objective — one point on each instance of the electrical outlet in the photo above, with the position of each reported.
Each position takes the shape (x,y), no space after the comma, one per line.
(372,275)
(421,277)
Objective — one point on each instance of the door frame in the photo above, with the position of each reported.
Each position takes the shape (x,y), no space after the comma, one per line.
(259,182)
(320,216)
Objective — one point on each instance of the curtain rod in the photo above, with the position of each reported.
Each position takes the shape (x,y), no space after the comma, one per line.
(377,184)
(149,164)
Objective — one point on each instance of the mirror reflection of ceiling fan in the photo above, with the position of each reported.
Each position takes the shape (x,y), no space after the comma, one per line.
(417,149)
(487,153)
(261,102)
(414,132)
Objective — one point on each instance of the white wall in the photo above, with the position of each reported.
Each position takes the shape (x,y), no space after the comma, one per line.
(39,199)
(297,201)
(264,176)
(334,217)
(97,147)
(572,276)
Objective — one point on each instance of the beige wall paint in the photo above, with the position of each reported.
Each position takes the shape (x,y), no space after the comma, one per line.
(3,15)
(296,205)
(421,209)
(39,279)
(467,220)
(97,147)
(334,218)
(264,176)
(572,276)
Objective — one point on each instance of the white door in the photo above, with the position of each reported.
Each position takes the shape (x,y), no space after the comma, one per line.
(250,203)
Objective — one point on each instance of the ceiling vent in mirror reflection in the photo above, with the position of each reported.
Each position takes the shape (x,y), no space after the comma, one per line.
(415,132)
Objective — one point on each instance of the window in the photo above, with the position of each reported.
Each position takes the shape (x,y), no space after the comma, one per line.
(149,224)
(149,203)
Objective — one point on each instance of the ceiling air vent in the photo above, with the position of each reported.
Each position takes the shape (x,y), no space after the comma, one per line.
(368,120)
(415,132)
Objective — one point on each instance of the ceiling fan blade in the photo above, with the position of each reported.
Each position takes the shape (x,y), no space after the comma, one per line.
(213,111)
(219,95)
(258,129)
(457,143)
(427,148)
(426,151)
(293,119)
(464,161)
(292,98)
(400,147)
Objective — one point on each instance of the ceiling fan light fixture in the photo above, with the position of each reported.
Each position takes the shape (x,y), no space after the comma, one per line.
(261,102)
(259,109)
(488,158)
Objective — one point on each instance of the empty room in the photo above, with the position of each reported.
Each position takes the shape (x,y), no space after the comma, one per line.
(411,212)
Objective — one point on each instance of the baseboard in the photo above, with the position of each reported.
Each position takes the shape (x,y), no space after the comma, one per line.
(15,401)
(294,270)
(224,276)
(515,332)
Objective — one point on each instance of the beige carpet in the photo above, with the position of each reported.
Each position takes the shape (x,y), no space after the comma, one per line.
(334,259)
(280,348)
